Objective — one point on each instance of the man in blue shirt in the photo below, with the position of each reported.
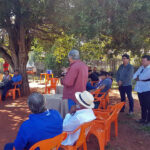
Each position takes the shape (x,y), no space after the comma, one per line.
(9,85)
(124,78)
(104,85)
(142,87)
(42,124)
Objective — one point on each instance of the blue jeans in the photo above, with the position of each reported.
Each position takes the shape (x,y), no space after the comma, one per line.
(70,103)
(126,90)
(9,146)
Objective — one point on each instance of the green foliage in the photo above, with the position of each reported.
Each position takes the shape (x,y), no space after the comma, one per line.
(62,46)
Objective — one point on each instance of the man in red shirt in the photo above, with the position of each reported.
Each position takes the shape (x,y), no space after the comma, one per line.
(5,66)
(75,79)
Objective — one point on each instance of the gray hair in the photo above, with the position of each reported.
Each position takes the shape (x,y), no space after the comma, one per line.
(36,103)
(74,54)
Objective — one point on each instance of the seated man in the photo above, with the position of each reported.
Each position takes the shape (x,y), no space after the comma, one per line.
(92,75)
(89,85)
(104,85)
(9,85)
(42,124)
(78,115)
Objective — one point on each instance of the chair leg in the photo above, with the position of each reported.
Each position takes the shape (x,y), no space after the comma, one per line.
(14,94)
(19,93)
(84,146)
(116,127)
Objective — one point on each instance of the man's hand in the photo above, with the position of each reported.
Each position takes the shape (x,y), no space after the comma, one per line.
(73,109)
(119,83)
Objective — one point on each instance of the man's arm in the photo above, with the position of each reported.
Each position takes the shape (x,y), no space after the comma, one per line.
(70,123)
(136,74)
(118,74)
(70,77)
(145,75)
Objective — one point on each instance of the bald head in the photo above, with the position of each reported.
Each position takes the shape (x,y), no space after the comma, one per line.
(36,103)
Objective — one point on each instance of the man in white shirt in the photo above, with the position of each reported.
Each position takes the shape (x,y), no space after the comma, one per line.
(79,114)
(142,87)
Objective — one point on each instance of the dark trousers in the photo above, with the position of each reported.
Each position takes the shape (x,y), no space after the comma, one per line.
(6,87)
(144,99)
(126,90)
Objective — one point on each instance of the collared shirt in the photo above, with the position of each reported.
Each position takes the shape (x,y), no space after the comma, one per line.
(37,128)
(143,74)
(71,122)
(75,80)
(125,74)
(107,83)
(16,78)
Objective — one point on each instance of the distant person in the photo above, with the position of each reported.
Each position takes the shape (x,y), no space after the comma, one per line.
(41,125)
(10,84)
(6,76)
(79,114)
(142,87)
(5,66)
(104,85)
(75,79)
(95,71)
(93,76)
(89,86)
(124,78)
(6,79)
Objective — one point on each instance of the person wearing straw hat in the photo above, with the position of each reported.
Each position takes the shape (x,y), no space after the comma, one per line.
(79,114)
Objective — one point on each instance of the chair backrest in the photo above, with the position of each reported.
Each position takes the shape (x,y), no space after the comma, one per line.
(53,81)
(49,144)
(119,106)
(84,129)
(106,121)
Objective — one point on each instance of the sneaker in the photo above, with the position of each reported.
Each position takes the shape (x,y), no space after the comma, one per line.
(130,113)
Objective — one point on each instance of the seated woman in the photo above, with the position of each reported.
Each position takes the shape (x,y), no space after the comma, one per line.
(5,79)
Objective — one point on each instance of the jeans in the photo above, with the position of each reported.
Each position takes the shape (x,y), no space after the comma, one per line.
(126,90)
(70,103)
(144,99)
(6,87)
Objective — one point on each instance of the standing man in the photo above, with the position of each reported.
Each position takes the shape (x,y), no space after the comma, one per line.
(75,79)
(5,66)
(124,78)
(142,87)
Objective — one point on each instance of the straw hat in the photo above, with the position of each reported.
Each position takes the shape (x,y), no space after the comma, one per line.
(85,98)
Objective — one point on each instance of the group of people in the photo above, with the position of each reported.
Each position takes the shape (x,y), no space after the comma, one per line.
(125,75)
(44,124)
(8,82)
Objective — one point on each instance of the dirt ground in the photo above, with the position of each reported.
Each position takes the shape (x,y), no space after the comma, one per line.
(132,136)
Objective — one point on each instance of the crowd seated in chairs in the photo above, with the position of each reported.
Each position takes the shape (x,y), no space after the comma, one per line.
(11,85)
(101,89)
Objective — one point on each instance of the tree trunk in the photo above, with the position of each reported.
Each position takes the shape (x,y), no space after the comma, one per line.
(19,55)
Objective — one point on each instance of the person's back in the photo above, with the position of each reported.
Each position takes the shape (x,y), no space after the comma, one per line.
(39,127)
(107,82)
(42,124)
